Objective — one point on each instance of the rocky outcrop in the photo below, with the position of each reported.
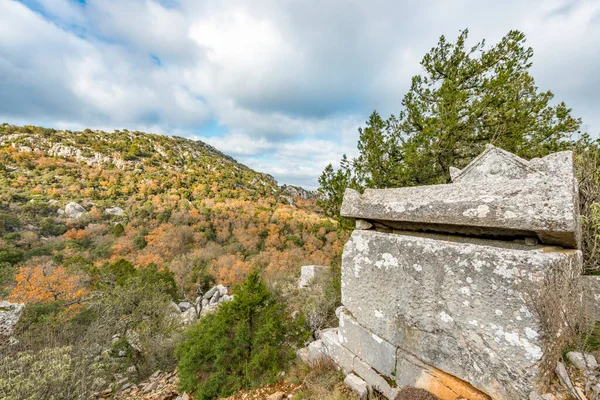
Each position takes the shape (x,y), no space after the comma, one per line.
(74,210)
(10,314)
(209,302)
(445,287)
(297,191)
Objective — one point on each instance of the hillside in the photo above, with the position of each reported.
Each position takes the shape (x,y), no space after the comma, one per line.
(177,197)
(100,233)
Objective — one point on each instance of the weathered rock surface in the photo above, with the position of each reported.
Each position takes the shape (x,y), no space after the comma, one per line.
(591,292)
(114,211)
(10,314)
(212,299)
(535,198)
(583,361)
(457,304)
(311,272)
(74,210)
(446,287)
(357,385)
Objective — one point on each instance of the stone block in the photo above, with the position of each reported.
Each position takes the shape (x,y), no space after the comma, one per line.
(340,355)
(463,306)
(377,352)
(375,380)
(311,272)
(357,385)
(516,198)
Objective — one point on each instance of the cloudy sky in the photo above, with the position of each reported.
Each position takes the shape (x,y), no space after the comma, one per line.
(280,85)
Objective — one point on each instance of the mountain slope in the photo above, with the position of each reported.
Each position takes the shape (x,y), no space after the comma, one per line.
(150,199)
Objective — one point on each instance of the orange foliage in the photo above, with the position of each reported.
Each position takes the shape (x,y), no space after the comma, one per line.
(76,234)
(45,283)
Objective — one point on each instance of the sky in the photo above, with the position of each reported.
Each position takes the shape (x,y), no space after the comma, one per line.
(280,85)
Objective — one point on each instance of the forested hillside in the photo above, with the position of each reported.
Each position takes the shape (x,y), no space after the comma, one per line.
(186,207)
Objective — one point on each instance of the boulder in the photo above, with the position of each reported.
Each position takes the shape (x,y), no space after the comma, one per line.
(583,361)
(74,210)
(222,290)
(114,211)
(276,396)
(215,298)
(309,273)
(497,195)
(184,305)
(189,316)
(210,293)
(10,314)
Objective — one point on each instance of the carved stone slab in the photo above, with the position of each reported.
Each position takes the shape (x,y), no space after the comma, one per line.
(498,194)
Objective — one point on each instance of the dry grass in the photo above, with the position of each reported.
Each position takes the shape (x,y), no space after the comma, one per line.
(588,174)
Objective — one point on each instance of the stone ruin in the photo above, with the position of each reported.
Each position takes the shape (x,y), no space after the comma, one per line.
(463,289)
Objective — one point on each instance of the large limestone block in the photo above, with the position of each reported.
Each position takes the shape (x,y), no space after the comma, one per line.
(464,306)
(377,352)
(375,380)
(516,198)
(339,354)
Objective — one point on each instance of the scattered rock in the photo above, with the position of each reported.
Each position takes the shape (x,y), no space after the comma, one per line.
(210,293)
(114,211)
(74,210)
(362,224)
(583,361)
(189,316)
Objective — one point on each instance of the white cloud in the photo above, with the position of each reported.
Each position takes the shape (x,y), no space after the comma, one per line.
(285,83)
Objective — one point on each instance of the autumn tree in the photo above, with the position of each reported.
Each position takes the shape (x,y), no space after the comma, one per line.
(46,282)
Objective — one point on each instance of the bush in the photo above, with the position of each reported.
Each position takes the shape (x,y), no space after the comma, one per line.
(10,256)
(49,227)
(53,373)
(244,344)
(140,240)
(117,230)
(9,223)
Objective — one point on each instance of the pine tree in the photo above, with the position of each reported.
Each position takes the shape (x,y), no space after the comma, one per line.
(245,343)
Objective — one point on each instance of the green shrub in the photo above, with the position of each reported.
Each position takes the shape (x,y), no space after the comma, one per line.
(10,256)
(140,240)
(49,227)
(118,230)
(119,271)
(9,223)
(12,237)
(245,343)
